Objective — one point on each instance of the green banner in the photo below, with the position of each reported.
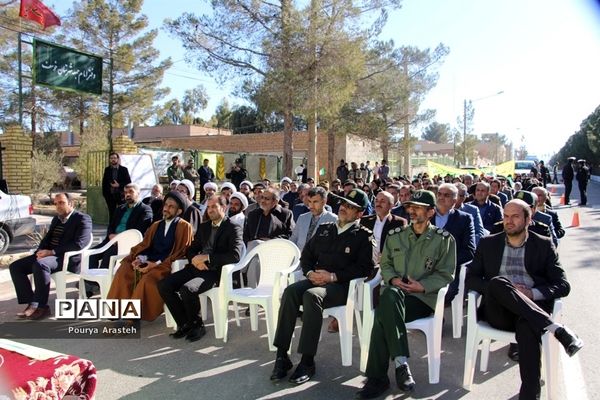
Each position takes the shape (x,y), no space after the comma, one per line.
(64,68)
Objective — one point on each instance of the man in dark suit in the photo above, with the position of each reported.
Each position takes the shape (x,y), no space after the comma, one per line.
(568,173)
(217,242)
(70,230)
(132,215)
(382,221)
(519,275)
(155,201)
(269,221)
(114,180)
(460,225)
(206,174)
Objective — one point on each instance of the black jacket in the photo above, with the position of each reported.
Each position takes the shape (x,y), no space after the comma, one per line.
(227,248)
(140,219)
(77,235)
(282,223)
(122,177)
(392,222)
(349,255)
(541,263)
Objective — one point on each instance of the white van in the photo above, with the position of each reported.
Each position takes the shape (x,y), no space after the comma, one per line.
(15,218)
(524,167)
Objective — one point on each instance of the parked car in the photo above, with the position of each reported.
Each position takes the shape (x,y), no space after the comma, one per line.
(15,218)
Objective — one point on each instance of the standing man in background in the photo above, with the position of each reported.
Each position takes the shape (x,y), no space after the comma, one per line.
(114,180)
(206,175)
(568,173)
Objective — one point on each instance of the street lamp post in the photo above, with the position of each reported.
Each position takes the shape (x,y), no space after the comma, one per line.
(465,121)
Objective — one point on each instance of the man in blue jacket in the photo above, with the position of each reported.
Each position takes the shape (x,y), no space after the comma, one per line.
(460,225)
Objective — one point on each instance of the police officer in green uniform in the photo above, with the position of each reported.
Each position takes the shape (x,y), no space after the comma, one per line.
(416,262)
(336,254)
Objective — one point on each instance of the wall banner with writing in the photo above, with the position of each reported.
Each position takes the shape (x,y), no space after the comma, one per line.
(65,68)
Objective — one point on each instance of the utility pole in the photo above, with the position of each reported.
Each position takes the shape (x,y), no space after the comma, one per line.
(465,132)
(110,101)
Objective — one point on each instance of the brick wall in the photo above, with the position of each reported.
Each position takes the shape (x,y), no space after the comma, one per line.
(124,145)
(16,159)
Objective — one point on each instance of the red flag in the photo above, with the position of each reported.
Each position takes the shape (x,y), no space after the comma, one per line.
(36,11)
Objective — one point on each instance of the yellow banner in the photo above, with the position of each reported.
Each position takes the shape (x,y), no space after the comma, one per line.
(262,167)
(434,168)
(220,170)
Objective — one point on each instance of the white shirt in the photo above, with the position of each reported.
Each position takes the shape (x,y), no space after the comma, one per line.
(167,225)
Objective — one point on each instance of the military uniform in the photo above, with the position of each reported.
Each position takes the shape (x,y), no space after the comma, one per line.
(348,255)
(429,259)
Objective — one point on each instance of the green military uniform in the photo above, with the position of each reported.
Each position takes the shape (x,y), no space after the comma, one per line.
(429,259)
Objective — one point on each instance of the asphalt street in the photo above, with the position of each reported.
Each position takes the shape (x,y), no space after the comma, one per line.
(157,366)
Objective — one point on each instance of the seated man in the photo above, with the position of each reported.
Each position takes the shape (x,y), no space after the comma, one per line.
(460,225)
(238,202)
(192,213)
(336,254)
(269,221)
(150,261)
(131,215)
(519,275)
(383,221)
(417,261)
(155,201)
(490,212)
(308,222)
(217,242)
(70,230)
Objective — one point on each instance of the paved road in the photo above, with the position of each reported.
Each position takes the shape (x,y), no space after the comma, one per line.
(157,366)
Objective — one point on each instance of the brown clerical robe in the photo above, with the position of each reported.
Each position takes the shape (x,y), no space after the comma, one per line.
(146,290)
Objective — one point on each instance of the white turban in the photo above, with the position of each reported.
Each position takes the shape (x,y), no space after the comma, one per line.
(285,179)
(190,187)
(211,185)
(228,185)
(250,185)
(242,198)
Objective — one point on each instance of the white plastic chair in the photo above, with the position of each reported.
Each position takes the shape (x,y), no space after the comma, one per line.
(458,304)
(365,325)
(104,276)
(60,277)
(278,258)
(345,316)
(431,326)
(482,332)
(215,301)
(216,296)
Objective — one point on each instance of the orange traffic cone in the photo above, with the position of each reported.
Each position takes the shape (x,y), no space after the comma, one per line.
(562,199)
(575,220)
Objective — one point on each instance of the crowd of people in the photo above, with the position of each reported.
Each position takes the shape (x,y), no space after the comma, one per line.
(419,232)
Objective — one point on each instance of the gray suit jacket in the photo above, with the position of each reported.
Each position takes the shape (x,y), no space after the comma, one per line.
(301,229)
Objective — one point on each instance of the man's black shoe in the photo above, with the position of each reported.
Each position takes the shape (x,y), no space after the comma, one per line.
(196,333)
(404,378)
(303,373)
(373,388)
(182,331)
(570,341)
(281,368)
(513,352)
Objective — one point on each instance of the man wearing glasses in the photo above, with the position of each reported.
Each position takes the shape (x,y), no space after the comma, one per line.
(460,225)
(469,209)
(268,221)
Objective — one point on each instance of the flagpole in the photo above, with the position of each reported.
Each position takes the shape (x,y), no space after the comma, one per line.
(20,72)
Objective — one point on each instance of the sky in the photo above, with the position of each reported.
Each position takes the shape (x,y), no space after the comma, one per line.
(543,55)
